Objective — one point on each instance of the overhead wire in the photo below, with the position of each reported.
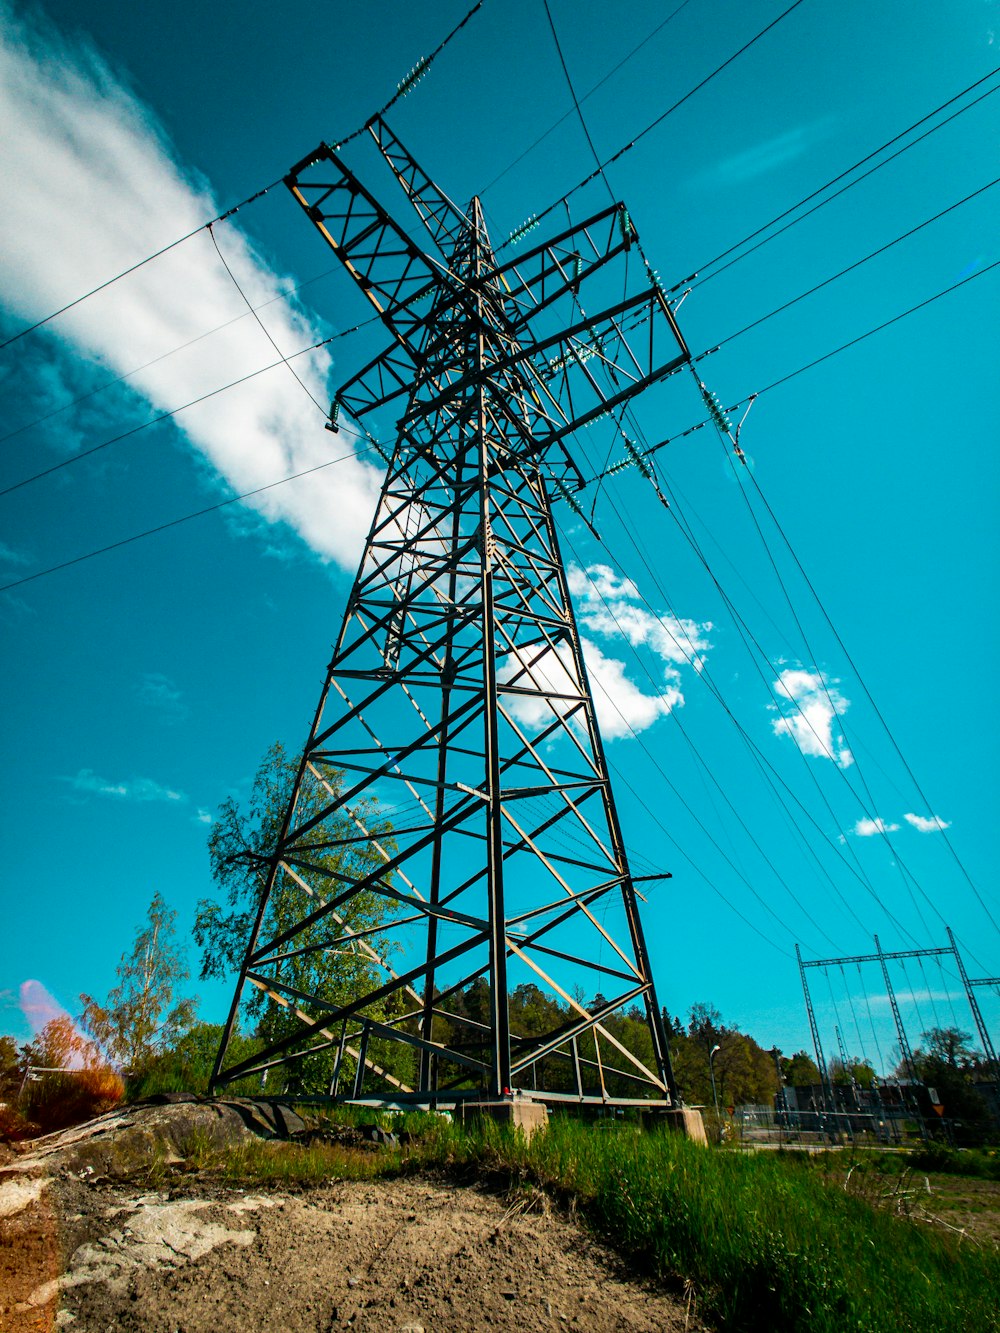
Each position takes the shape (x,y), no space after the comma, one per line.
(419,70)
(181,347)
(767,770)
(871,809)
(871,1022)
(811,365)
(132,268)
(185,518)
(577,104)
(162,416)
(874,254)
(699,758)
(661,118)
(263,328)
(867,693)
(699,277)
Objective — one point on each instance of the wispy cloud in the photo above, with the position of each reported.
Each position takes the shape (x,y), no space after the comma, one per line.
(612,608)
(10,556)
(927,824)
(768,155)
(871,828)
(88,783)
(808,706)
(202,816)
(159,693)
(93,185)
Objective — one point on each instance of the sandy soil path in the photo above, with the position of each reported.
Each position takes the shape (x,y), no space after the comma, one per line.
(95,1254)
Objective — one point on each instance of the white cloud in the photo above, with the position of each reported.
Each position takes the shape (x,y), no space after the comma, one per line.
(768,155)
(10,556)
(92,186)
(202,816)
(809,706)
(609,606)
(88,783)
(159,693)
(922,824)
(870,828)
(621,707)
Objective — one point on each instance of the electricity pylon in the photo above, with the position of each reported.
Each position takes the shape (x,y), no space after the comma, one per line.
(458,694)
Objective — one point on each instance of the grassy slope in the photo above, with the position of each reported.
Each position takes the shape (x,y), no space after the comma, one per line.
(767,1240)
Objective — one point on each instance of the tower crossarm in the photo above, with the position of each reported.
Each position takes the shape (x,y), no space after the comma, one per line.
(562,266)
(395,275)
(444,221)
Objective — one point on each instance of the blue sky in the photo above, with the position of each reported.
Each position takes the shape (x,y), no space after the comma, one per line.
(143,685)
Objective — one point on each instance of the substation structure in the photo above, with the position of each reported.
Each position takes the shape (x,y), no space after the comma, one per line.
(910,1095)
(453,833)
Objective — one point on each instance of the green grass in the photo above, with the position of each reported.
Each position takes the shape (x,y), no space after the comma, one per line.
(769,1240)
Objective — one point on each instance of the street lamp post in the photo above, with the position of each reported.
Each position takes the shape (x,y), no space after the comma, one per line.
(715,1091)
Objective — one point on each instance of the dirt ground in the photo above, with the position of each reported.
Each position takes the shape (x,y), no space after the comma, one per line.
(80,1250)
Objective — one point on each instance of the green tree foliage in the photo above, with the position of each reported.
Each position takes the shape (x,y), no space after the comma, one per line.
(240,838)
(143,1014)
(744,1071)
(948,1063)
(800,1070)
(186,1065)
(855,1072)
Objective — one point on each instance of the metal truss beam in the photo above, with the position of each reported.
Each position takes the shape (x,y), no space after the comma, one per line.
(453,825)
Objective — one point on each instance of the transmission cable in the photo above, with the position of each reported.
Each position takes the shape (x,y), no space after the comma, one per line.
(587,95)
(186,518)
(656,764)
(835,179)
(120,379)
(662,444)
(263,328)
(857,264)
(404,86)
(868,695)
(768,771)
(623,780)
(576,104)
(659,119)
(871,1021)
(870,811)
(259,194)
(162,416)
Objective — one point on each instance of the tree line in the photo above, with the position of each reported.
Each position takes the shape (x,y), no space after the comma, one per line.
(146,1038)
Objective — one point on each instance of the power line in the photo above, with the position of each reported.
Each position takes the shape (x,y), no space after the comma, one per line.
(576,103)
(286,360)
(263,328)
(850,185)
(163,416)
(801,370)
(404,86)
(857,263)
(587,95)
(652,448)
(599,170)
(120,379)
(186,518)
(870,333)
(415,75)
(868,695)
(701,761)
(259,194)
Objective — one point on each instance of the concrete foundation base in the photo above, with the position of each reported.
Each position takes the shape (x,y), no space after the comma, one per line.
(527,1116)
(686,1120)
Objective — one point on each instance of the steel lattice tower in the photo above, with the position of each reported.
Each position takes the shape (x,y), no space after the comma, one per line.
(458,691)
